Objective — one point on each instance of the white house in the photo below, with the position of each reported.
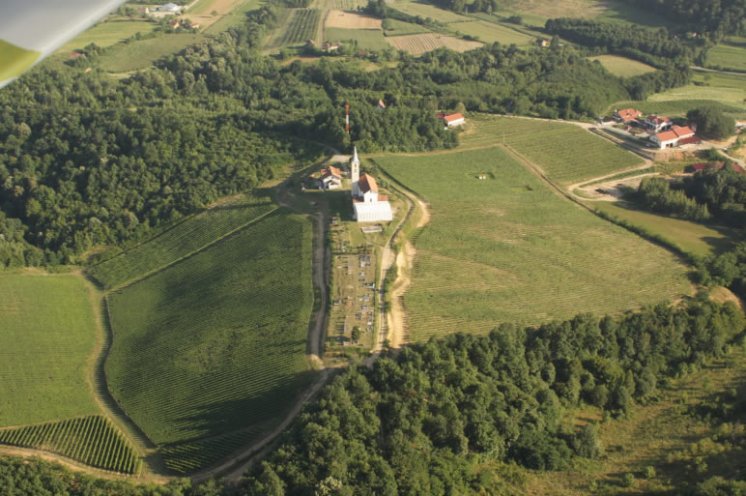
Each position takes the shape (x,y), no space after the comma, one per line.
(369,206)
(452,120)
(657,123)
(331,178)
(673,137)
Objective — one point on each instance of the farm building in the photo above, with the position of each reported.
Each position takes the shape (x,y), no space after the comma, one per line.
(369,206)
(330,178)
(626,115)
(166,9)
(657,123)
(675,136)
(452,120)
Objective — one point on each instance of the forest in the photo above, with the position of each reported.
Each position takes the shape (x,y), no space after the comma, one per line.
(715,18)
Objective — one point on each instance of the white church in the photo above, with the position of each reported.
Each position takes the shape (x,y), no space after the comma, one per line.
(368,205)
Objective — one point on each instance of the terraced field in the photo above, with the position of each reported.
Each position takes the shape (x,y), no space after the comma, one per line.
(92,440)
(508,249)
(215,344)
(192,234)
(565,152)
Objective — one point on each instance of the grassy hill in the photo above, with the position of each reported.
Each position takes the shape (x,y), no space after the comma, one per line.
(215,344)
(508,249)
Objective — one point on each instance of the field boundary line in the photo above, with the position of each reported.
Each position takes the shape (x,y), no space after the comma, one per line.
(192,253)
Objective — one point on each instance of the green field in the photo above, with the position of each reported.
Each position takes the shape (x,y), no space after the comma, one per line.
(536,12)
(339,4)
(509,249)
(109,33)
(395,27)
(47,337)
(186,237)
(555,147)
(366,39)
(491,33)
(302,26)
(672,108)
(730,54)
(690,237)
(622,66)
(215,344)
(726,89)
(139,54)
(426,10)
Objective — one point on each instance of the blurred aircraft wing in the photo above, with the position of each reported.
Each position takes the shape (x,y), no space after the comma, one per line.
(32,29)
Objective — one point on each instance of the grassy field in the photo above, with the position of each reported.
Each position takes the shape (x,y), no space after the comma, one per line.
(508,249)
(691,237)
(186,237)
(426,10)
(395,27)
(108,33)
(47,336)
(622,66)
(366,39)
(536,12)
(417,44)
(491,33)
(725,89)
(552,146)
(730,54)
(139,54)
(338,4)
(216,343)
(672,108)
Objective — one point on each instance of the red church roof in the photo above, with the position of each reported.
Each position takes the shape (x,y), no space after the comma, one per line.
(367,183)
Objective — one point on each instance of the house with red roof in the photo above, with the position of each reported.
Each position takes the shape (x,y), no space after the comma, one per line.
(673,137)
(330,178)
(657,123)
(626,115)
(452,120)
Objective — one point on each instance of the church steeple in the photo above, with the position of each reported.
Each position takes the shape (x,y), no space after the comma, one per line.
(355,173)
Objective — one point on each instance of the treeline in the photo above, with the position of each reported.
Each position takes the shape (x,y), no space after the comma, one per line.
(717,194)
(726,269)
(432,419)
(714,17)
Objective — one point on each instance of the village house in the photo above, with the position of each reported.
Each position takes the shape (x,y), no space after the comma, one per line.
(657,123)
(675,136)
(626,115)
(166,9)
(368,205)
(330,178)
(452,120)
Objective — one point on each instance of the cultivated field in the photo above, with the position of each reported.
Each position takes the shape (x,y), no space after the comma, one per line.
(139,54)
(730,54)
(426,10)
(536,12)
(565,152)
(349,20)
(366,39)
(215,344)
(339,4)
(417,44)
(302,26)
(207,12)
(622,66)
(722,88)
(186,237)
(108,33)
(395,27)
(47,336)
(92,440)
(509,249)
(492,33)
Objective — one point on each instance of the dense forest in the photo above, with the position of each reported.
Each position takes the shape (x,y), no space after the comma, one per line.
(714,17)
(431,419)
(726,269)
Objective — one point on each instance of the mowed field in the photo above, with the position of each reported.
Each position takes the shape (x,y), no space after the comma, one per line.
(725,89)
(215,344)
(351,20)
(622,66)
(508,249)
(417,44)
(566,152)
(426,10)
(108,33)
(186,237)
(365,39)
(730,54)
(489,32)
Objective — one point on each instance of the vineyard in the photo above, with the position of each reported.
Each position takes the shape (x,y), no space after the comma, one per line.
(417,44)
(552,146)
(302,26)
(215,344)
(91,440)
(193,233)
(350,5)
(508,249)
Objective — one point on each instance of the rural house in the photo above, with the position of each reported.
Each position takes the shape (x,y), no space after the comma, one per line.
(657,123)
(675,136)
(369,206)
(166,9)
(452,120)
(330,178)
(626,115)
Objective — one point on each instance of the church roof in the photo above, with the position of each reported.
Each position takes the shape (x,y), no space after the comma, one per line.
(367,183)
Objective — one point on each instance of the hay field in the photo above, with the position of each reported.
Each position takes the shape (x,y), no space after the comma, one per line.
(47,335)
(417,44)
(730,54)
(426,10)
(490,32)
(215,344)
(725,89)
(508,249)
(622,66)
(566,152)
(365,39)
(108,33)
(348,20)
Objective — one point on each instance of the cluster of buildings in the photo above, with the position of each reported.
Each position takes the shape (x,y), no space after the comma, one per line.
(164,10)
(663,132)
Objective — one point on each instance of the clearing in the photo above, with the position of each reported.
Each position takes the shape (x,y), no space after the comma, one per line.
(551,145)
(622,66)
(728,55)
(349,20)
(507,248)
(489,32)
(209,353)
(417,44)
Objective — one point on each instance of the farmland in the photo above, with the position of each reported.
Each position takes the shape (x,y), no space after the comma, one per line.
(338,4)
(508,249)
(108,33)
(139,54)
(489,32)
(302,26)
(47,334)
(552,146)
(350,20)
(725,89)
(417,44)
(92,440)
(672,108)
(184,238)
(426,10)
(728,55)
(395,27)
(215,344)
(536,12)
(622,66)
(365,39)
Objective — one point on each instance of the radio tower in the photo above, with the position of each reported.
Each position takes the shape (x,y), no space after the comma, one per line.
(347,117)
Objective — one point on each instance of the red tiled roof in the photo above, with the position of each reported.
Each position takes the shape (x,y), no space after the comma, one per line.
(666,136)
(657,119)
(367,183)
(628,114)
(452,117)
(682,132)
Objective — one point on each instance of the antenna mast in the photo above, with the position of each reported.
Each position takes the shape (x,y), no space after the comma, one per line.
(347,117)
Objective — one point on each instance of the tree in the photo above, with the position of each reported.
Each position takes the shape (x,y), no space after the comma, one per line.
(712,123)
